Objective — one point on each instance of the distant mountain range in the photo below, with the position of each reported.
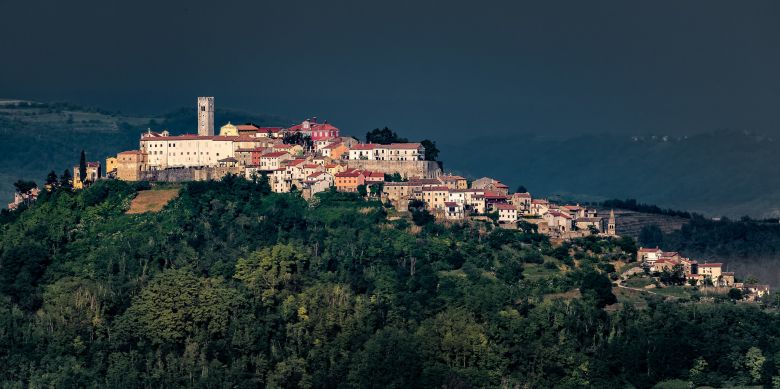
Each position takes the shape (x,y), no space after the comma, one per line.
(719,173)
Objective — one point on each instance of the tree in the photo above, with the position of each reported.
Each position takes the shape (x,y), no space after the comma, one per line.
(384,136)
(82,167)
(361,189)
(598,287)
(24,186)
(65,180)
(431,151)
(522,189)
(51,179)
(735,294)
(651,236)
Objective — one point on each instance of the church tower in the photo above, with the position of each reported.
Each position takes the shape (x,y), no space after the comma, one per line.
(206,116)
(611,223)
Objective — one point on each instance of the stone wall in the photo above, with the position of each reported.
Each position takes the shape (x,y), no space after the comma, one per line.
(190,174)
(407,169)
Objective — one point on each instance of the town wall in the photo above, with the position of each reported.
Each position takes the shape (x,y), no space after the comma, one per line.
(190,174)
(407,169)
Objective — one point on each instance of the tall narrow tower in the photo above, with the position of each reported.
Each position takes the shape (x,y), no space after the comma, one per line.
(611,223)
(206,116)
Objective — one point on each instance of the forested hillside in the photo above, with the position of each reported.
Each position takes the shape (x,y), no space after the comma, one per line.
(230,285)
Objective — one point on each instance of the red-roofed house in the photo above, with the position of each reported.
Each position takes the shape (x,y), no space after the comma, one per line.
(507,213)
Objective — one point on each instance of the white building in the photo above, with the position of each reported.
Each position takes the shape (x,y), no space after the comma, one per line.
(391,152)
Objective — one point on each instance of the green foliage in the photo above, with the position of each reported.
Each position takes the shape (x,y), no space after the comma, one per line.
(651,236)
(230,285)
(384,136)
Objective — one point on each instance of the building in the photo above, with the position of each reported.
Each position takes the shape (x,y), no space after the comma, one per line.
(648,255)
(131,165)
(206,116)
(273,161)
(315,130)
(228,130)
(453,182)
(335,150)
(349,181)
(454,211)
(558,222)
(490,184)
(391,152)
(24,198)
(522,201)
(93,174)
(507,213)
(434,197)
(111,163)
(611,225)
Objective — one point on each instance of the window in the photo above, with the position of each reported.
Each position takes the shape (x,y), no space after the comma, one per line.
(203,108)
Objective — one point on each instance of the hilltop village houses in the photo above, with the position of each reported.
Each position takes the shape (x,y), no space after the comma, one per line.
(655,260)
(314,156)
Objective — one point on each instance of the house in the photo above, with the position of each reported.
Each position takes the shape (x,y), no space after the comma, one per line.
(453,182)
(391,152)
(453,211)
(93,174)
(648,255)
(398,193)
(316,182)
(24,198)
(334,168)
(434,197)
(507,213)
(712,271)
(272,161)
(111,163)
(490,184)
(558,222)
(335,150)
(539,207)
(522,201)
(348,181)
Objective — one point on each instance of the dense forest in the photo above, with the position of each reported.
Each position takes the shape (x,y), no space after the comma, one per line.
(231,285)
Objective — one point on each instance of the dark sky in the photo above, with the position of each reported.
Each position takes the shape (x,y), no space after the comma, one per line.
(437,69)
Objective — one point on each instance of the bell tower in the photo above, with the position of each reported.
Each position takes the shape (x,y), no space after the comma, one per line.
(611,223)
(206,116)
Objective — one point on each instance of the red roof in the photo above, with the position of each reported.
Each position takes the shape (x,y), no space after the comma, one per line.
(132,152)
(450,204)
(649,250)
(711,265)
(506,207)
(436,189)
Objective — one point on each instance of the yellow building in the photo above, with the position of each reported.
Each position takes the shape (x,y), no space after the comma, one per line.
(93,174)
(111,163)
(228,130)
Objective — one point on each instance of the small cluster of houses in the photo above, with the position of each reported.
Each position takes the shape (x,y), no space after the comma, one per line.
(23,198)
(705,274)
(452,198)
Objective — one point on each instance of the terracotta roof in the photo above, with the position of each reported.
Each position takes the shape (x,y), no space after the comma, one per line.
(711,265)
(559,214)
(450,204)
(649,250)
(524,195)
(132,152)
(436,189)
(408,146)
(506,207)
(275,154)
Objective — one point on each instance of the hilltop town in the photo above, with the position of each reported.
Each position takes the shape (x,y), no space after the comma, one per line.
(315,156)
